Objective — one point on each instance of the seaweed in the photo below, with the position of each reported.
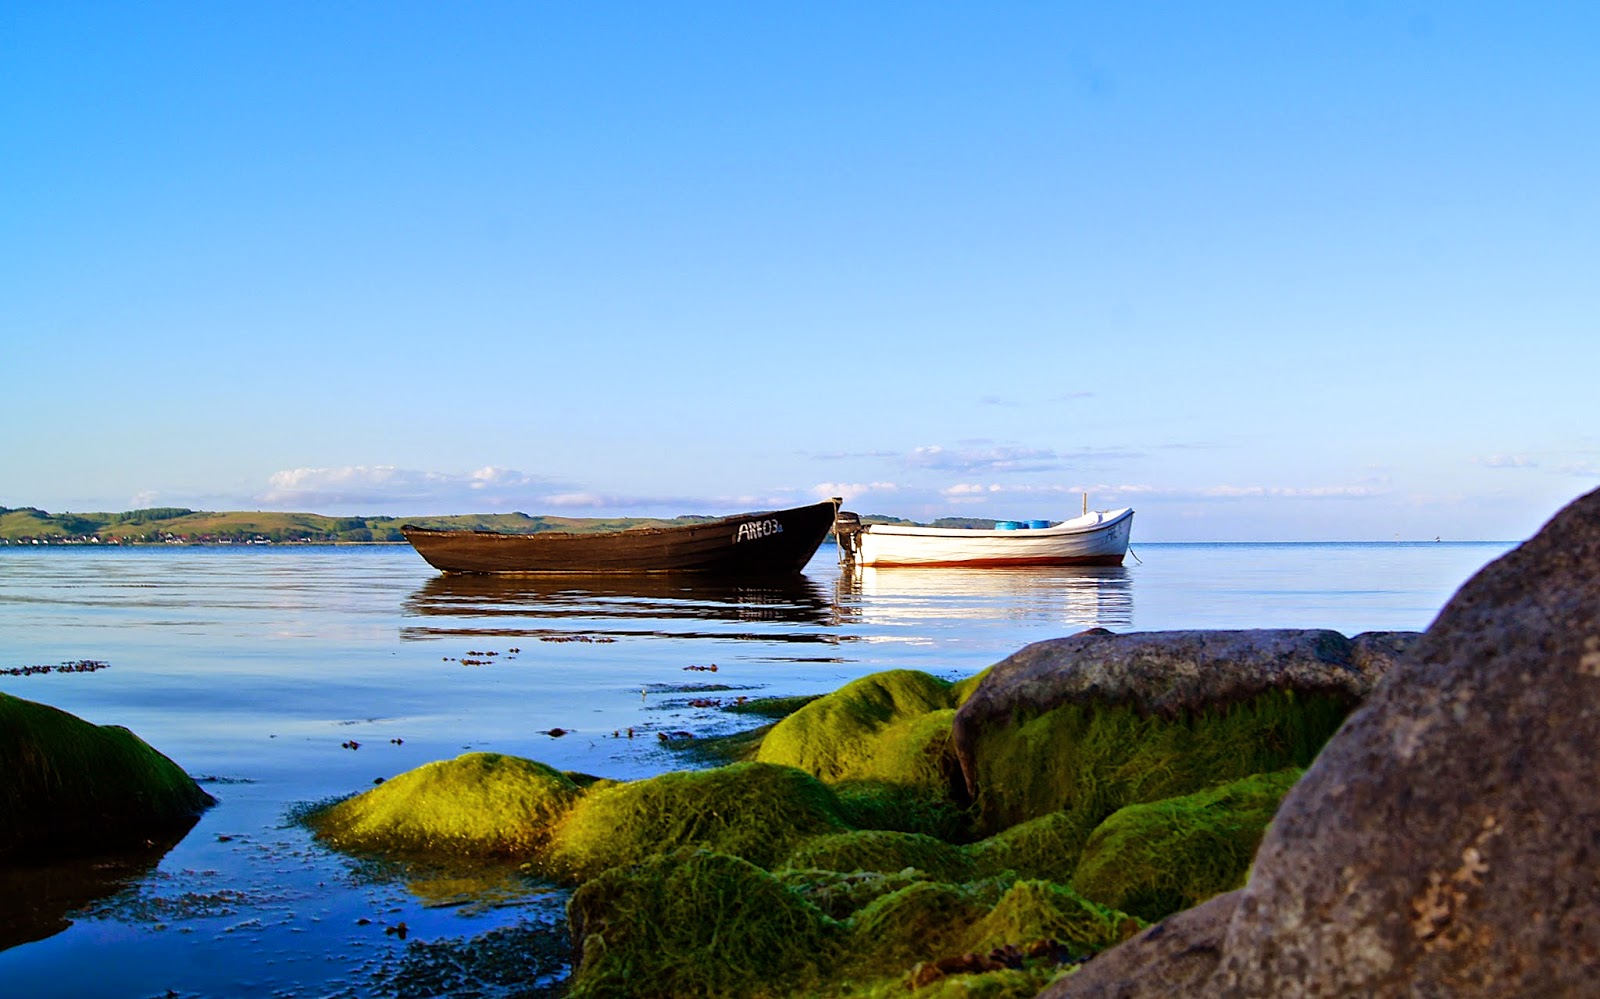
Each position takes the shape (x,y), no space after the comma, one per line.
(883,852)
(1157,858)
(921,921)
(835,736)
(697,923)
(1090,760)
(1046,847)
(756,811)
(478,804)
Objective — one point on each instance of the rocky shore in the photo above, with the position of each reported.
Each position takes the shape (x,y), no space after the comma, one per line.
(1209,813)
(980,838)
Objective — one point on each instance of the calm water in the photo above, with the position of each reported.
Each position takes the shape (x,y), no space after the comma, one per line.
(258,668)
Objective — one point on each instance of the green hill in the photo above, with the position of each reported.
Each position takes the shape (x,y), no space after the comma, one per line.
(168,525)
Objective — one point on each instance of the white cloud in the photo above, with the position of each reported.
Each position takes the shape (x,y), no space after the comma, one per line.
(972,491)
(1506,461)
(388,486)
(998,458)
(849,491)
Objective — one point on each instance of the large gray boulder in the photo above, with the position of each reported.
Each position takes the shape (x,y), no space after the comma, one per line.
(1447,840)
(1168,674)
(1175,957)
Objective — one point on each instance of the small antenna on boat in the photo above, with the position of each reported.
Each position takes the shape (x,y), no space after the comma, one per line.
(1086,504)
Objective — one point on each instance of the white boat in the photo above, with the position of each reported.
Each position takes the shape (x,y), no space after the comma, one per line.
(1099,537)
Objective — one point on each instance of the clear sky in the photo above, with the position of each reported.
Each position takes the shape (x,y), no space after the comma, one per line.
(1259,270)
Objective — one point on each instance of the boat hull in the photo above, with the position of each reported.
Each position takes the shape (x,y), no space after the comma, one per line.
(751,544)
(1095,539)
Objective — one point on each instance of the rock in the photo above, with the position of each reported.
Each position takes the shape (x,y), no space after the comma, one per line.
(70,787)
(696,923)
(883,743)
(1446,842)
(1174,957)
(883,852)
(478,804)
(1151,860)
(754,811)
(1097,720)
(842,735)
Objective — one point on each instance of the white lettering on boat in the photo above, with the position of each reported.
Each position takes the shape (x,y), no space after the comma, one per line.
(751,530)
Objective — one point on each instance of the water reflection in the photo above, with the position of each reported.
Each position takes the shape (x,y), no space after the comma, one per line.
(1075,596)
(612,604)
(39,900)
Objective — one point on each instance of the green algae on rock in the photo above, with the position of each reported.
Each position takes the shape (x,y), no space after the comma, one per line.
(705,924)
(919,922)
(68,786)
(1151,860)
(883,742)
(840,894)
(1098,758)
(834,737)
(697,923)
(478,804)
(1036,910)
(756,811)
(1046,847)
(884,852)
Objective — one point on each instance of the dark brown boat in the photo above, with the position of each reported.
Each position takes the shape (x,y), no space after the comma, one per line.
(751,544)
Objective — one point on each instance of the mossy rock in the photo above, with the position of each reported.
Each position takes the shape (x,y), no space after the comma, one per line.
(1090,760)
(697,923)
(1034,910)
(1044,848)
(962,689)
(757,811)
(1154,859)
(68,786)
(841,894)
(884,852)
(920,922)
(836,736)
(883,742)
(478,804)
(1006,984)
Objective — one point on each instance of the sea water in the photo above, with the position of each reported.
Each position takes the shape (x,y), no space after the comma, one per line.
(281,676)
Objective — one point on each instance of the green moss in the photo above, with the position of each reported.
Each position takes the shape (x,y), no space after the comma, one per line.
(1042,910)
(771,707)
(69,786)
(1155,859)
(884,742)
(1046,847)
(756,811)
(478,804)
(920,922)
(1091,761)
(835,737)
(884,852)
(1007,984)
(962,689)
(718,750)
(841,894)
(696,923)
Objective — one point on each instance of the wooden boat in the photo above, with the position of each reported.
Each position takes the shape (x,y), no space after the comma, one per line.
(1098,537)
(750,544)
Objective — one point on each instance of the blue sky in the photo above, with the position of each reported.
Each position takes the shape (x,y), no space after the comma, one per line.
(1261,271)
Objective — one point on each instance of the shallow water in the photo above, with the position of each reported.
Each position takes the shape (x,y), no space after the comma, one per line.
(286,675)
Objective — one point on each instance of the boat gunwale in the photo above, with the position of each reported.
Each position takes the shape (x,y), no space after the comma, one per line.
(632,532)
(1066,529)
